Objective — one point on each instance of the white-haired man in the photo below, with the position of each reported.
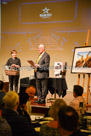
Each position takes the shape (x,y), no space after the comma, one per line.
(20,126)
(42,74)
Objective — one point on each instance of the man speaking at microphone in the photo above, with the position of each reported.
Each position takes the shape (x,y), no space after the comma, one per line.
(42,74)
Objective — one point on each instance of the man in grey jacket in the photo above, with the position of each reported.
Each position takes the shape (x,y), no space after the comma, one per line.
(42,74)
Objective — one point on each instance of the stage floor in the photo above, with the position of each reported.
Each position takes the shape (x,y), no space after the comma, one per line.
(40,108)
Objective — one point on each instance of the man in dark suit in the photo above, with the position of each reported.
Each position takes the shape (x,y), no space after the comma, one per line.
(20,125)
(42,74)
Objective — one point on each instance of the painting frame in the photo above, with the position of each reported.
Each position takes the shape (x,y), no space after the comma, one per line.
(81,62)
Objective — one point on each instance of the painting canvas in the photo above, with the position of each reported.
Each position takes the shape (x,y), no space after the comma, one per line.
(81,60)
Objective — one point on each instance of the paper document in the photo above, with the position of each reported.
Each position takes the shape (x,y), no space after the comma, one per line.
(31,62)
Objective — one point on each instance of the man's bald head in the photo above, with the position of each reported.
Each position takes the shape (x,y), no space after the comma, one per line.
(41,46)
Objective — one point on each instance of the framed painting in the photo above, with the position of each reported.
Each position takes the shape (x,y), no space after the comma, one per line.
(81,60)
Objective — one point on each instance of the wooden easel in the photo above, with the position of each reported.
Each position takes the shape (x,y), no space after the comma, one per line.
(88,81)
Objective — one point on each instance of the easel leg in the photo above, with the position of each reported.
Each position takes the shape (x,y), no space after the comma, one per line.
(87,91)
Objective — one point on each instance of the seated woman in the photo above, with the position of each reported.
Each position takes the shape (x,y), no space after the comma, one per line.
(22,108)
(50,129)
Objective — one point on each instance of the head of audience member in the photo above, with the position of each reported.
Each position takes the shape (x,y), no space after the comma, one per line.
(77,90)
(31,92)
(68,120)
(11,100)
(53,112)
(41,48)
(1,85)
(23,98)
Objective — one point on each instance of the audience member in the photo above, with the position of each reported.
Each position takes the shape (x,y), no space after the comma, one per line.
(68,120)
(50,129)
(2,93)
(31,92)
(5,129)
(77,93)
(19,124)
(22,108)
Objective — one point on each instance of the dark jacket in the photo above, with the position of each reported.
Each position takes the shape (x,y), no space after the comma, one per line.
(5,129)
(19,124)
(24,113)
